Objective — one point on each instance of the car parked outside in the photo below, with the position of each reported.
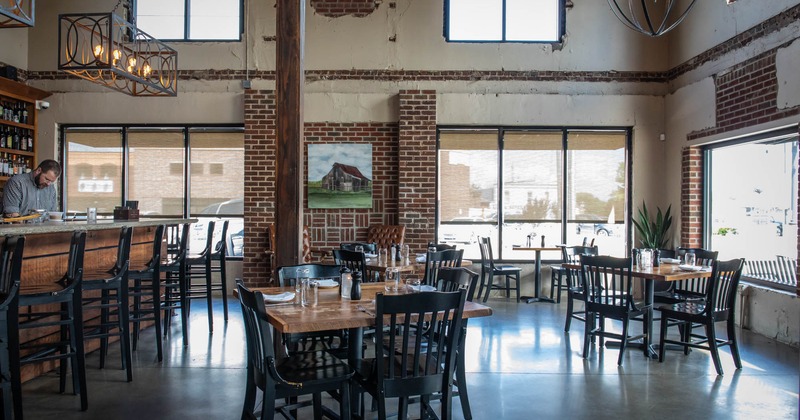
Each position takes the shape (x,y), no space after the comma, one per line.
(217,212)
(599,228)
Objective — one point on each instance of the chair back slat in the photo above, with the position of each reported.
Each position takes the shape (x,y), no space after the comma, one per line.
(436,260)
(572,255)
(607,282)
(721,293)
(451,279)
(694,286)
(355,261)
(420,357)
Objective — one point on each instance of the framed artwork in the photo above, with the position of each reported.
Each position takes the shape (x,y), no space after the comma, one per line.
(340,176)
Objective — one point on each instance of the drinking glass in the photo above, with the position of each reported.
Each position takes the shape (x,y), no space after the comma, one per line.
(300,284)
(310,293)
(392,279)
(691,259)
(406,252)
(383,254)
(413,283)
(646,258)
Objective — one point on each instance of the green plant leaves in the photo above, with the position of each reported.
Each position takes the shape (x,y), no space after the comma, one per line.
(653,234)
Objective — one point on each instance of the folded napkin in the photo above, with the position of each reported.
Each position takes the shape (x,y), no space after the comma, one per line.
(279,298)
(326,283)
(421,259)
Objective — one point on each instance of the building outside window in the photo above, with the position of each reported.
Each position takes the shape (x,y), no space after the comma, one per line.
(751,202)
(156,175)
(517,186)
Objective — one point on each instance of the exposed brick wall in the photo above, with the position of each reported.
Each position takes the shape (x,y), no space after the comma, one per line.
(797,217)
(692,197)
(337,8)
(331,227)
(417,150)
(747,95)
(259,182)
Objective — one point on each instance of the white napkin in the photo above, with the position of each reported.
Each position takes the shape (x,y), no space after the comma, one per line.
(279,298)
(325,283)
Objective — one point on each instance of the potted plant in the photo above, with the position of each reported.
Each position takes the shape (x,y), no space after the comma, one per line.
(653,234)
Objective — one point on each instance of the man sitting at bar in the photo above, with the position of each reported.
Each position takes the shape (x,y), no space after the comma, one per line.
(32,191)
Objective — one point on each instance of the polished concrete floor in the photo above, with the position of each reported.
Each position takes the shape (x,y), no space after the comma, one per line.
(521,365)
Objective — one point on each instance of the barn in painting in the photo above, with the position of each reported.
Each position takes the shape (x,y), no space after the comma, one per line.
(345,178)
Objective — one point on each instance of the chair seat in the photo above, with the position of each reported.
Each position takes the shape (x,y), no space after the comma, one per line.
(499,269)
(98,274)
(313,368)
(686,308)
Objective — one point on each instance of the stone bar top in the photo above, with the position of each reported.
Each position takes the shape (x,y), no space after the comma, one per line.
(101,224)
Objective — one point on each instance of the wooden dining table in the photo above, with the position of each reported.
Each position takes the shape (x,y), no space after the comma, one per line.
(663,272)
(332,312)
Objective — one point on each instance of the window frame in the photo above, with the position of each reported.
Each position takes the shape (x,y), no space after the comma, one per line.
(787,131)
(186,24)
(562,25)
(565,221)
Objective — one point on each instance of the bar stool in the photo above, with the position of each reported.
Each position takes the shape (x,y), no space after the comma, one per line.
(145,289)
(69,319)
(10,266)
(112,303)
(202,266)
(175,286)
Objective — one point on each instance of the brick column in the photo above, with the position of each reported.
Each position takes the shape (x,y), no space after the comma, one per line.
(417,166)
(259,182)
(692,197)
(797,217)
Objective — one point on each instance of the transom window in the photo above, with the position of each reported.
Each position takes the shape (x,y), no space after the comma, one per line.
(190,20)
(504,20)
(518,186)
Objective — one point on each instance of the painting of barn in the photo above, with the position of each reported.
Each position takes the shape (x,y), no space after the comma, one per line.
(340,175)
(345,178)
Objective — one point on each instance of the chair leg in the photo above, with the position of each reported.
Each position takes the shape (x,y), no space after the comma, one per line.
(489,281)
(570,303)
(316,400)
(105,299)
(461,376)
(268,404)
(737,361)
(79,368)
(345,412)
(480,286)
(662,337)
(712,344)
(624,342)
(123,315)
(587,327)
(224,285)
(209,298)
(508,286)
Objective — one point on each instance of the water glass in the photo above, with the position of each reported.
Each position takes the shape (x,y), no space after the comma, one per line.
(406,253)
(91,214)
(383,254)
(310,293)
(646,258)
(392,283)
(301,279)
(690,258)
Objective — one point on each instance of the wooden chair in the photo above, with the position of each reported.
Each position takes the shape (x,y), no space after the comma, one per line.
(300,374)
(203,266)
(489,269)
(689,289)
(405,367)
(386,235)
(112,302)
(10,267)
(608,293)
(441,247)
(718,306)
(574,283)
(437,260)
(355,261)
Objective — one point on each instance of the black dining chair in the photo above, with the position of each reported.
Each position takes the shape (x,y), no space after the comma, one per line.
(608,294)
(404,366)
(688,289)
(355,261)
(144,288)
(489,270)
(435,261)
(719,305)
(574,282)
(299,374)
(369,248)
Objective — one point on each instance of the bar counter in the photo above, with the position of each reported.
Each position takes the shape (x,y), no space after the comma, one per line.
(45,262)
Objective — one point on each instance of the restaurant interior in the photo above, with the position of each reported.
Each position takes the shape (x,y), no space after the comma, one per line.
(527,158)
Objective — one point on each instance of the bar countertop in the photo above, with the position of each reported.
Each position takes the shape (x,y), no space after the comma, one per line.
(101,224)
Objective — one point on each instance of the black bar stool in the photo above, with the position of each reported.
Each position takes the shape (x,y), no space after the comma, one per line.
(145,289)
(175,286)
(69,318)
(112,302)
(203,266)
(10,266)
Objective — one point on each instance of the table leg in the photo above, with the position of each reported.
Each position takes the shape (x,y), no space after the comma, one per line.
(355,341)
(537,282)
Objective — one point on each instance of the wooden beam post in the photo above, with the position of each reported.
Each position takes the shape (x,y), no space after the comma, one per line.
(289,79)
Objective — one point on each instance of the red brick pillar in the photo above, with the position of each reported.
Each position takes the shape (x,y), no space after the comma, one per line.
(797,217)
(417,166)
(692,197)
(259,182)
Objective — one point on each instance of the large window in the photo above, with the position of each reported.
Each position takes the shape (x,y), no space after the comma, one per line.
(751,197)
(190,20)
(171,171)
(510,184)
(504,20)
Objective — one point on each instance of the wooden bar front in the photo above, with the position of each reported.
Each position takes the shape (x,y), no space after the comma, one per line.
(45,262)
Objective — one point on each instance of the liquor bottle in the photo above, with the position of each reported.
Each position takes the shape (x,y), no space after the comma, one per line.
(23,140)
(24,114)
(2,136)
(3,165)
(9,138)
(30,141)
(2,110)
(16,139)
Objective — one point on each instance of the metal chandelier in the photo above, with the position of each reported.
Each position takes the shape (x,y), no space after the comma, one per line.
(648,16)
